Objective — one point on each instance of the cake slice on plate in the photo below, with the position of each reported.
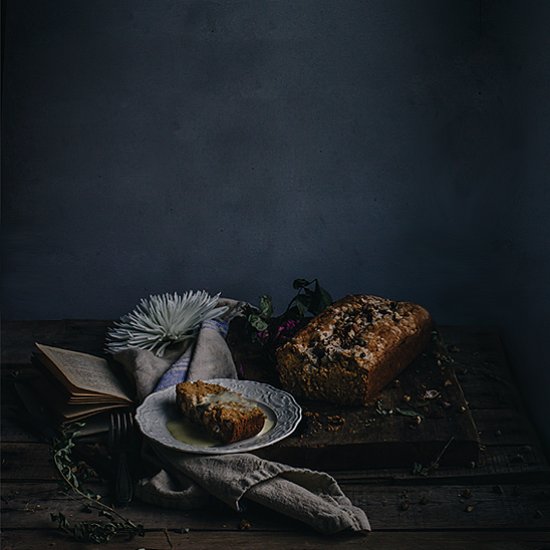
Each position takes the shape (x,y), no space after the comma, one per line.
(224,414)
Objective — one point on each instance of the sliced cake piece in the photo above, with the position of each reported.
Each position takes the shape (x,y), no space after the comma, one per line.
(224,414)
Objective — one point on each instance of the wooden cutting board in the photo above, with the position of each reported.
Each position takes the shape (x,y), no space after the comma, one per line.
(419,419)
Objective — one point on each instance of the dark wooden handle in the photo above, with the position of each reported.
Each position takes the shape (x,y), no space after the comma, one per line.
(124,486)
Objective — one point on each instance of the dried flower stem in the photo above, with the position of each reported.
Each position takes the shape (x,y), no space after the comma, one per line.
(92,531)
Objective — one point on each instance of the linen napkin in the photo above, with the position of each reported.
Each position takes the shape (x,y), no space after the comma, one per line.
(190,481)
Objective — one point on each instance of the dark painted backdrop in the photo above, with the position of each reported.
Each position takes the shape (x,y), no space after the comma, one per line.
(390,147)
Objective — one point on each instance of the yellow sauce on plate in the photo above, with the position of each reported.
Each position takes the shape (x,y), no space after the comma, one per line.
(191,434)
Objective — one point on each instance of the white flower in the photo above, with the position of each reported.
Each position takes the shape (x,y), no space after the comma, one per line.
(162,320)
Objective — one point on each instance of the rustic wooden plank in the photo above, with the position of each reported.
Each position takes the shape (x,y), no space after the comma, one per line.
(390,441)
(481,395)
(29,506)
(479,352)
(454,507)
(483,339)
(521,540)
(497,464)
(506,454)
(15,425)
(485,389)
(482,368)
(18,337)
(504,427)
(27,461)
(381,433)
(496,426)
(14,430)
(503,463)
(396,507)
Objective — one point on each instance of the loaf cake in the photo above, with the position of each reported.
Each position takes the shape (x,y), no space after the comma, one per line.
(350,351)
(223,414)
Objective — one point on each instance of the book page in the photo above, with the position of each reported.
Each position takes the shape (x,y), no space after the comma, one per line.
(72,413)
(83,373)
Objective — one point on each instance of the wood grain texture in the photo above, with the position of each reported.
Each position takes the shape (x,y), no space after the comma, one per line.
(19,337)
(205,540)
(363,437)
(508,488)
(23,461)
(396,507)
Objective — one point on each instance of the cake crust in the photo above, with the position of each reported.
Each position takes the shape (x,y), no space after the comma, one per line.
(349,352)
(224,414)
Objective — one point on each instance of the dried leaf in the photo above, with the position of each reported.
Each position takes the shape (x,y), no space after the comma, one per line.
(407,412)
(266,306)
(430,394)
(87,531)
(300,283)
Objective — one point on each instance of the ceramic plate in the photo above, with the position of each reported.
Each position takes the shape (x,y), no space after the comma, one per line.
(159,419)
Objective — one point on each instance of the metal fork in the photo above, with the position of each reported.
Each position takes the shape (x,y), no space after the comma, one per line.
(122,440)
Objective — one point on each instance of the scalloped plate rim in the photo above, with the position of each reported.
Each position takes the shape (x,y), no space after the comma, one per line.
(284,426)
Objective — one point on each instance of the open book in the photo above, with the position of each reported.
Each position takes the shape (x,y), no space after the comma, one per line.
(77,385)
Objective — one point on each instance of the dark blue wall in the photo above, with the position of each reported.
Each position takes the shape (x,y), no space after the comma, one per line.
(389,147)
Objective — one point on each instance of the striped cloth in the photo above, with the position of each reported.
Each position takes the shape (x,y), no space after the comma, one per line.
(180,368)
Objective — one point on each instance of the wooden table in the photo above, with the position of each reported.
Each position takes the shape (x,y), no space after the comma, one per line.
(503,502)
